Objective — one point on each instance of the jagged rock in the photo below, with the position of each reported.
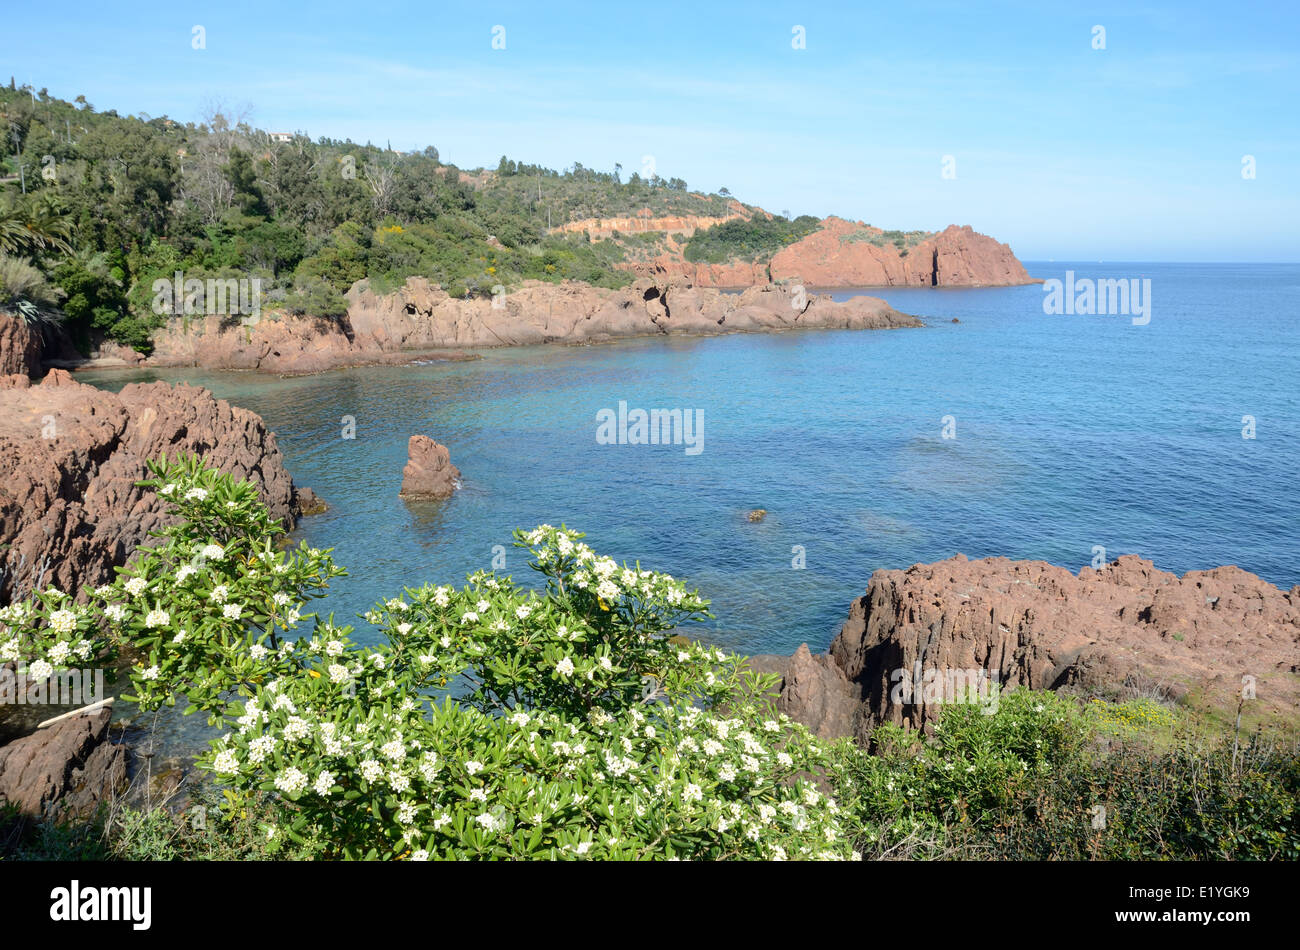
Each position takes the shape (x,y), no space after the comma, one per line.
(814,691)
(65,770)
(70,456)
(428,472)
(1031,624)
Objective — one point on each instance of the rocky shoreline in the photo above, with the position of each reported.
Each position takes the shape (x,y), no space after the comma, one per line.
(421,321)
(70,512)
(1128,629)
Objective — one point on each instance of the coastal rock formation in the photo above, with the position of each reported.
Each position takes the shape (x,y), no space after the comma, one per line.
(428,472)
(288,345)
(70,455)
(851,254)
(65,770)
(841,255)
(421,314)
(813,690)
(421,319)
(1028,623)
(20,347)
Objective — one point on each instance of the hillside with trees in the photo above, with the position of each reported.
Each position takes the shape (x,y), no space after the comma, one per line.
(96,206)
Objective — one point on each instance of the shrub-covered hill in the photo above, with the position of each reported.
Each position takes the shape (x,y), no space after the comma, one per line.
(96,206)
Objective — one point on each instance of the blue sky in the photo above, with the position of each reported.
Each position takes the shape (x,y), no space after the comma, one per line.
(1133,152)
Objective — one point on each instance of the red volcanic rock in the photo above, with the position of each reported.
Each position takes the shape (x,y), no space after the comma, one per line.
(813,690)
(20,347)
(1030,624)
(645,223)
(70,455)
(422,319)
(421,314)
(428,472)
(842,254)
(65,770)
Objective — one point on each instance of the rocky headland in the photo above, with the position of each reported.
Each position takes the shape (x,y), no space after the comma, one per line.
(852,254)
(422,321)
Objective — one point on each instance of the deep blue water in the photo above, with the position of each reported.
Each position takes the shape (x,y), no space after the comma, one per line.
(1071,431)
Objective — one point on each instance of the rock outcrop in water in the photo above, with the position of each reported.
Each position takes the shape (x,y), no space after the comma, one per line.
(70,456)
(421,319)
(1127,627)
(428,472)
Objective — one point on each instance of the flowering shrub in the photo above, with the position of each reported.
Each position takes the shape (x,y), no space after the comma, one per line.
(1129,719)
(492,721)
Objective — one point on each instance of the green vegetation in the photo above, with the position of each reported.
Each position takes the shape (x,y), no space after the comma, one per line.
(1046,778)
(581,726)
(570,721)
(748,239)
(113,203)
(903,241)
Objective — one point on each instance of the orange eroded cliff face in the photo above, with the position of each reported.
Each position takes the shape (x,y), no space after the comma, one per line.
(644,222)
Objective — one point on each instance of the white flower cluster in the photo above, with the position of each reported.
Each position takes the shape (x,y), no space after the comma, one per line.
(48,632)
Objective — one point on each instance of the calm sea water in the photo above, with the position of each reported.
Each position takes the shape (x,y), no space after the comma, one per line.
(1071,431)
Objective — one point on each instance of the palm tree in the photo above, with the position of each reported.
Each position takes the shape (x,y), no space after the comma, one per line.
(32,224)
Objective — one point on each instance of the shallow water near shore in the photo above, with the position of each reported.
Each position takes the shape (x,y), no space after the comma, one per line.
(1070,432)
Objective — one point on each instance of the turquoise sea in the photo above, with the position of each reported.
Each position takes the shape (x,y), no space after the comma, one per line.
(1070,432)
